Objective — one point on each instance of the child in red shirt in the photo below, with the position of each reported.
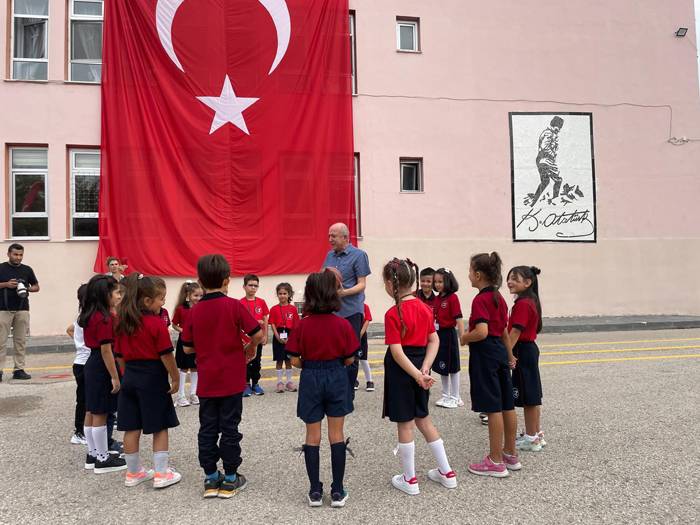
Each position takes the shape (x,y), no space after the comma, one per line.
(145,403)
(213,330)
(190,294)
(258,309)
(323,344)
(283,320)
(413,346)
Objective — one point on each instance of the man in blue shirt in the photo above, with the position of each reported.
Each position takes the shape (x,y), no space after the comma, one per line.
(353,265)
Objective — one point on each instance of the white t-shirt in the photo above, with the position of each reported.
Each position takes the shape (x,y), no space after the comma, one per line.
(82,352)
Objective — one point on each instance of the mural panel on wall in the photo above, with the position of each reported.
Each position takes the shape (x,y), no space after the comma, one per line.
(552,177)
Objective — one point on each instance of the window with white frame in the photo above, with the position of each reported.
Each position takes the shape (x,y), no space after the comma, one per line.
(353,54)
(411,175)
(28,178)
(85,192)
(85,40)
(30,27)
(358,203)
(407,34)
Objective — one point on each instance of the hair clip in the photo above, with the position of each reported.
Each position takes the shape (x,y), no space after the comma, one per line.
(447,270)
(140,276)
(189,281)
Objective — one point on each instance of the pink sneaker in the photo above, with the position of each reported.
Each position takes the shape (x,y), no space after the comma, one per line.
(142,475)
(280,388)
(512,462)
(170,477)
(291,387)
(488,468)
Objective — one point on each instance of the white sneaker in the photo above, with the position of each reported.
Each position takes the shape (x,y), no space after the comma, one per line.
(182,401)
(194,400)
(441,402)
(78,439)
(170,477)
(410,487)
(540,435)
(449,480)
(450,402)
(460,403)
(529,445)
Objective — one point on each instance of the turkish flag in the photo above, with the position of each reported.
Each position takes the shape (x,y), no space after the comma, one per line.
(226,128)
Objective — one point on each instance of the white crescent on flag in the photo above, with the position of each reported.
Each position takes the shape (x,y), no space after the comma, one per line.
(278,10)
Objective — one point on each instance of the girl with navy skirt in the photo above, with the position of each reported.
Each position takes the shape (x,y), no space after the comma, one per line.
(101,375)
(190,294)
(413,344)
(523,326)
(490,361)
(447,313)
(322,345)
(145,405)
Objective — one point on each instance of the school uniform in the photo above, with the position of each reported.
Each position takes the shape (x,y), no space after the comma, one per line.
(258,309)
(284,319)
(362,354)
(323,342)
(184,361)
(144,402)
(82,353)
(213,328)
(165,317)
(98,383)
(447,312)
(527,386)
(490,386)
(404,399)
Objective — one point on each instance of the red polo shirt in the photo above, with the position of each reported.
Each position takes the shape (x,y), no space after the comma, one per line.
(148,343)
(257,308)
(284,316)
(165,317)
(99,330)
(368,314)
(181,315)
(485,311)
(525,318)
(213,329)
(448,310)
(323,337)
(419,322)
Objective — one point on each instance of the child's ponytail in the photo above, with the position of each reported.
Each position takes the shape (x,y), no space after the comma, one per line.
(490,264)
(138,287)
(533,291)
(402,274)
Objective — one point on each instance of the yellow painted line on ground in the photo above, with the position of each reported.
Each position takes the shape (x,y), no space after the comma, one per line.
(619,359)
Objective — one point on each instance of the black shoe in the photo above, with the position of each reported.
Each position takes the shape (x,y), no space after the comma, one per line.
(90,462)
(228,489)
(116,448)
(370,386)
(315,498)
(111,464)
(0,376)
(211,486)
(338,499)
(357,385)
(20,374)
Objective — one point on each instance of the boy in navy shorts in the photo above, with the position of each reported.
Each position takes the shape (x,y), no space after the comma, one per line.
(214,330)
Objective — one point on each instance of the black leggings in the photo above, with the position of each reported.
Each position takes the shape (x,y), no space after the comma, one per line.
(79,374)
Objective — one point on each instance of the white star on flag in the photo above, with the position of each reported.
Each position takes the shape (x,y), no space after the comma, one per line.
(228,108)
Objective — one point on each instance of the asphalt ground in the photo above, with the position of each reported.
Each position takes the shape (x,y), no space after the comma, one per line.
(620,414)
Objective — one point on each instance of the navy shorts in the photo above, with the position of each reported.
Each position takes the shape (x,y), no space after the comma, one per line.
(527,387)
(184,361)
(447,360)
(279,351)
(144,402)
(324,390)
(98,385)
(490,386)
(404,400)
(362,352)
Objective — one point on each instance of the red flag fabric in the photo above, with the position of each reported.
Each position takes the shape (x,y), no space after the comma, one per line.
(226,127)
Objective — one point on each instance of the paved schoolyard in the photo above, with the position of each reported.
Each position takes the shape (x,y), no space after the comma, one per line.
(621,418)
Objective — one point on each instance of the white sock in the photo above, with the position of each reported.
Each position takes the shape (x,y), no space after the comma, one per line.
(160,461)
(288,373)
(90,440)
(445,386)
(437,447)
(366,369)
(99,435)
(279,375)
(133,462)
(183,378)
(407,453)
(531,438)
(454,385)
(194,377)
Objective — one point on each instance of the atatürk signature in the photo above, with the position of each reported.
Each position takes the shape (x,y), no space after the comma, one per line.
(533,221)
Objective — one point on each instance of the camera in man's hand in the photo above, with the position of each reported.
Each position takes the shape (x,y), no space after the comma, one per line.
(22,288)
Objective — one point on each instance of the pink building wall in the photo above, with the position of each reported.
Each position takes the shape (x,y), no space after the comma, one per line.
(449,105)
